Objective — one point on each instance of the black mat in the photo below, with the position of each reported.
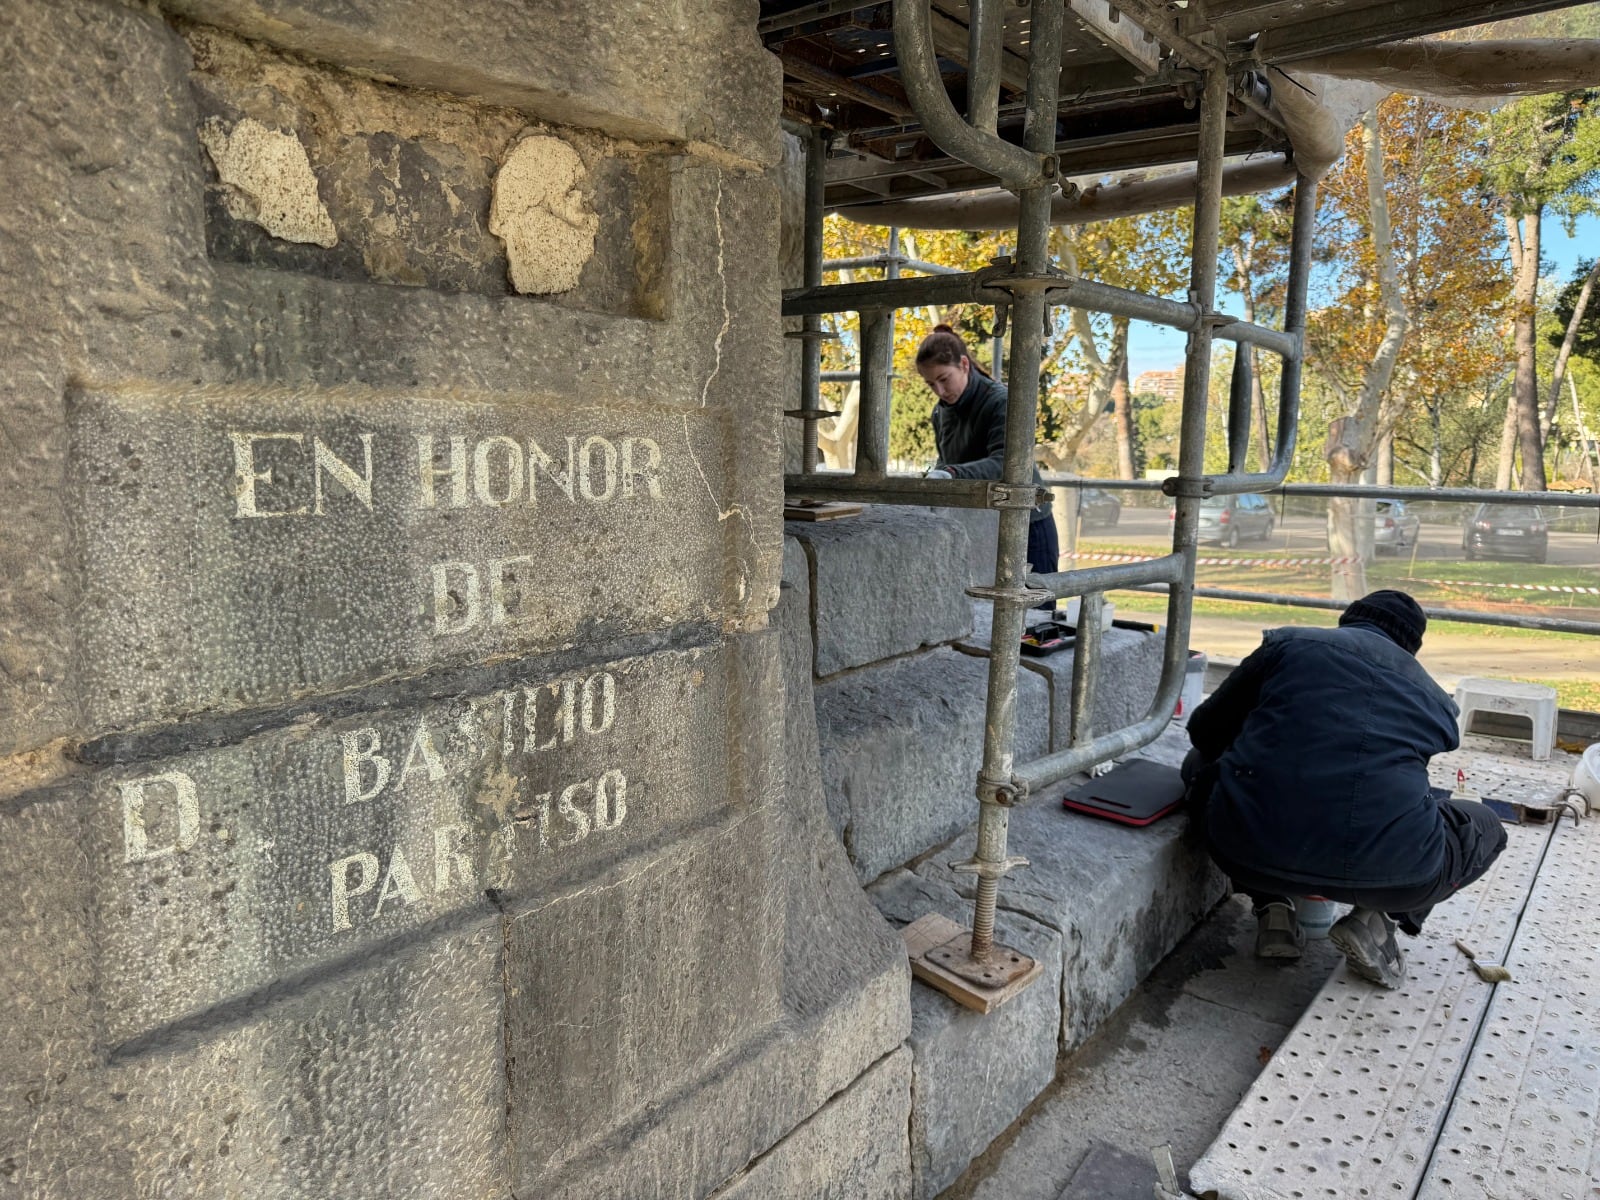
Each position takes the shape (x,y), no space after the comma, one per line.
(1135,793)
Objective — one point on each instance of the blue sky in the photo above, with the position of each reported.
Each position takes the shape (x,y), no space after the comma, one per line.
(1157,348)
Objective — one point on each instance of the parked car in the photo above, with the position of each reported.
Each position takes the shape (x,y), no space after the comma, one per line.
(1097,507)
(1506,531)
(1394,529)
(1229,520)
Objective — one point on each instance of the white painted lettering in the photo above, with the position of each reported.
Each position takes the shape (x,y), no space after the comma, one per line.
(428,472)
(542,801)
(366,875)
(574,816)
(361,746)
(645,474)
(457,605)
(450,859)
(358,485)
(483,476)
(504,581)
(538,461)
(599,702)
(610,800)
(247,477)
(137,820)
(607,472)
(421,756)
(399,882)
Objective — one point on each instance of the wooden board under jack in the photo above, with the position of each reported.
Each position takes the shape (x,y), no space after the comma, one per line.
(935,930)
(830,511)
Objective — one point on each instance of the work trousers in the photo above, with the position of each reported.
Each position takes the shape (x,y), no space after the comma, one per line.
(1044,552)
(1473,839)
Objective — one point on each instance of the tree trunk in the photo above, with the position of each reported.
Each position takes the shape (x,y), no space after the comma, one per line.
(1508,446)
(1384,475)
(1122,412)
(1258,398)
(1525,388)
(1436,451)
(1583,437)
(1565,352)
(1353,439)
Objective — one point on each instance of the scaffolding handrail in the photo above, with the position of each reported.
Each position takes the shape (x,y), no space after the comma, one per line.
(1356,491)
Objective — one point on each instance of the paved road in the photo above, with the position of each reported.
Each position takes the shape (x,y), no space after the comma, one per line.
(1439,543)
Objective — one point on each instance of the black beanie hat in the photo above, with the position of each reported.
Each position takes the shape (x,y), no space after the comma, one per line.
(1395,613)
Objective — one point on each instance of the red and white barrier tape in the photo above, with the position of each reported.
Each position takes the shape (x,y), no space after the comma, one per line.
(1565,589)
(1516,587)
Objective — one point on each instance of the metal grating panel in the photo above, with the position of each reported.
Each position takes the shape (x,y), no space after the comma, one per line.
(1350,1103)
(1353,1101)
(1526,1120)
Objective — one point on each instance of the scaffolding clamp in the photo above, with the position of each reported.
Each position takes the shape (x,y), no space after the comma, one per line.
(1017,495)
(1195,488)
(1006,793)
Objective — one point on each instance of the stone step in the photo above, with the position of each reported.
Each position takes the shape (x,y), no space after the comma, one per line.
(1101,904)
(901,743)
(884,583)
(1125,683)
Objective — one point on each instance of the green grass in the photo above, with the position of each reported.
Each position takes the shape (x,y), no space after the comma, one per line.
(1268,615)
(1454,584)
(1580,694)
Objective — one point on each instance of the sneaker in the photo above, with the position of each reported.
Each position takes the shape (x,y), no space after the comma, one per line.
(1366,937)
(1278,934)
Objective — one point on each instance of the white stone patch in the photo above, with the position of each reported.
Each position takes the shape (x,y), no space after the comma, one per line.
(267,178)
(540,214)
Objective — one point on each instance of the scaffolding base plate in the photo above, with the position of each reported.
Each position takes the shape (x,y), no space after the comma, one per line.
(939,951)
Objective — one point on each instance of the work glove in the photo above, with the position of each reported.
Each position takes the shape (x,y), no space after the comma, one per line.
(939,473)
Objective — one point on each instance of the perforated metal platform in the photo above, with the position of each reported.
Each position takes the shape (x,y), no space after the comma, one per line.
(1361,1100)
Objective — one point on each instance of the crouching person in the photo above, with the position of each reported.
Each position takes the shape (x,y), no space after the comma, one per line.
(1309,777)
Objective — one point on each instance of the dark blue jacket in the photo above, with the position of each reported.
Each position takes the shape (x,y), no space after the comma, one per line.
(971,433)
(1321,740)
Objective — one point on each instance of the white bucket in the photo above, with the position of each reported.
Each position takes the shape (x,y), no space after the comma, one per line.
(1586,777)
(1194,684)
(1316,916)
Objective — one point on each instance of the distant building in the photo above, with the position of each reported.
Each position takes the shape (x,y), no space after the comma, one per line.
(1166,384)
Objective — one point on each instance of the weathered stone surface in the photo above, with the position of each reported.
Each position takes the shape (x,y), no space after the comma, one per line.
(540,214)
(673,967)
(1125,683)
(972,1074)
(226,870)
(844,1001)
(983,535)
(1122,898)
(413,181)
(823,1159)
(385,1081)
(605,67)
(112,284)
(885,582)
(901,746)
(234,558)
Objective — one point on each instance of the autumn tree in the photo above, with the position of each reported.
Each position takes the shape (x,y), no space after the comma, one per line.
(1255,234)
(1544,158)
(1418,281)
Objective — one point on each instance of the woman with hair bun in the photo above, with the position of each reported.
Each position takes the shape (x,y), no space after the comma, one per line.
(969,430)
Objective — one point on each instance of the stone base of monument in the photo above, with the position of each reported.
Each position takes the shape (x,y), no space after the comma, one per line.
(1100,904)
(901,744)
(1128,673)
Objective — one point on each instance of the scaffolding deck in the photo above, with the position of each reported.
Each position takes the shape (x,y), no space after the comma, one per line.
(1448,1086)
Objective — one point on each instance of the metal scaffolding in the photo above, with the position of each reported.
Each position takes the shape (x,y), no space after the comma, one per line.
(1028,283)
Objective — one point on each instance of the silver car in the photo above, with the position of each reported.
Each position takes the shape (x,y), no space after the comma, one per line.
(1229,520)
(1394,530)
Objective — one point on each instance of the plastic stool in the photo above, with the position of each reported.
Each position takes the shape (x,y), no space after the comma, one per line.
(1493,701)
